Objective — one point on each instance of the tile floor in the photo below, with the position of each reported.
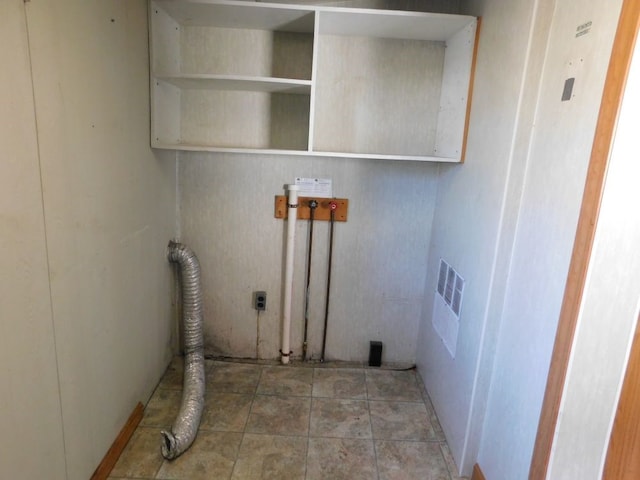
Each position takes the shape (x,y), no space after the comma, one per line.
(295,422)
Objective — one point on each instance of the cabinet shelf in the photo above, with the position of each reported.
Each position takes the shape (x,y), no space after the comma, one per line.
(270,151)
(237,83)
(239,76)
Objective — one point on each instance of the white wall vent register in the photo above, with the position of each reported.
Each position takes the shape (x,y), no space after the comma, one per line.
(447,305)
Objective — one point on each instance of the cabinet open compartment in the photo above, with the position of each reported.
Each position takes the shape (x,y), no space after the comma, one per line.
(380,85)
(230,76)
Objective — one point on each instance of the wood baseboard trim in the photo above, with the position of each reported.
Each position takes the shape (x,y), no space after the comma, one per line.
(477,473)
(112,455)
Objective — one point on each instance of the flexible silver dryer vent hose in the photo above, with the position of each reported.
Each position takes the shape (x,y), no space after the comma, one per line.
(185,427)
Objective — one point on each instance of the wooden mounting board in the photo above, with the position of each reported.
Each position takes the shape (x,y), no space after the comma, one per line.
(322,212)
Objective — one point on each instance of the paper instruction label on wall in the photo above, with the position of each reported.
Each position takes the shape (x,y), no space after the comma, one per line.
(314,187)
(446,324)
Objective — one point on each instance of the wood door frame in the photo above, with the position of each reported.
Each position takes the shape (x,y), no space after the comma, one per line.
(615,83)
(624,444)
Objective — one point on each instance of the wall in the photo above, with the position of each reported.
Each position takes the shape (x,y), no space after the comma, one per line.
(379,257)
(29,398)
(379,264)
(556,170)
(476,210)
(609,309)
(91,300)
(512,240)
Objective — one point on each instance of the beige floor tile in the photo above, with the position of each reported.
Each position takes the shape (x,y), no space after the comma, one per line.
(286,381)
(451,464)
(400,421)
(392,385)
(341,459)
(410,461)
(226,412)
(332,417)
(279,415)
(212,455)
(162,409)
(173,376)
(271,457)
(339,383)
(233,377)
(131,478)
(341,409)
(208,364)
(433,418)
(141,457)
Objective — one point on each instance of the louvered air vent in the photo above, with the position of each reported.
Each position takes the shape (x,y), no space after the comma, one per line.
(447,305)
(450,287)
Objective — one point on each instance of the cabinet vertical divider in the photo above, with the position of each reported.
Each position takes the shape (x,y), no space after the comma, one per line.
(314,75)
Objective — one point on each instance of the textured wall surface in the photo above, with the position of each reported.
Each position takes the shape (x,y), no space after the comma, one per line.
(516,203)
(556,169)
(226,215)
(32,446)
(471,214)
(87,283)
(379,264)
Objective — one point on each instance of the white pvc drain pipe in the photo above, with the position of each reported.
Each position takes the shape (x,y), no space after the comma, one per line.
(292,216)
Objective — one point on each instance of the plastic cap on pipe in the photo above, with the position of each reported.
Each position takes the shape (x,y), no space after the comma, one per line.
(293,195)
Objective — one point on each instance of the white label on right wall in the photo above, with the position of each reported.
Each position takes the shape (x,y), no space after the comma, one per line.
(447,306)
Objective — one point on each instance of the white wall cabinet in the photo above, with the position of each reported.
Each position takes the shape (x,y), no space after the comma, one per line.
(239,76)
